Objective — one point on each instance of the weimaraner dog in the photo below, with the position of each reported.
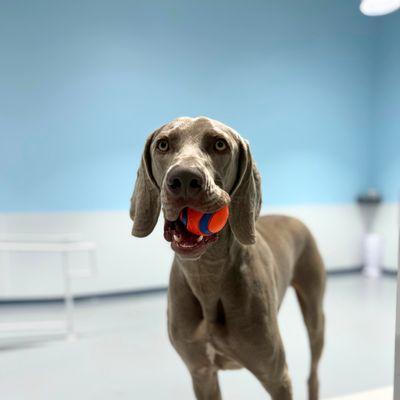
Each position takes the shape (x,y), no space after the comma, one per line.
(225,290)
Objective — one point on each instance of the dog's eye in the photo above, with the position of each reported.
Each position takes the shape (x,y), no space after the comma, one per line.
(163,145)
(220,145)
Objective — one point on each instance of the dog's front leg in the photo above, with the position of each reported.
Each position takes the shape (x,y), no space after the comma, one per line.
(205,384)
(261,351)
(279,389)
(204,374)
(273,374)
(188,335)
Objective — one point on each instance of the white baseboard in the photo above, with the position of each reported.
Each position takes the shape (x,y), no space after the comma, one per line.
(128,263)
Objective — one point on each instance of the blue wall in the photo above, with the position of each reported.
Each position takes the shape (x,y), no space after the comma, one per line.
(83,83)
(386,176)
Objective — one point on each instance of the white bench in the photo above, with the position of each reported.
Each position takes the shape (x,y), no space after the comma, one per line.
(64,245)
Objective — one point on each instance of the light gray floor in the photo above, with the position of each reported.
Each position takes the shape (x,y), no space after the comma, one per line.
(123,350)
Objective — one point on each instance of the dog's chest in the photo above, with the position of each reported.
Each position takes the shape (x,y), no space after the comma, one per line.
(217,345)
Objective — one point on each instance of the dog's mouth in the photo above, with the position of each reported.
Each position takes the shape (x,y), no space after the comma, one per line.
(184,242)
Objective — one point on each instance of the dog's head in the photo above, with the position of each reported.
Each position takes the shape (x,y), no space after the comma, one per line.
(202,164)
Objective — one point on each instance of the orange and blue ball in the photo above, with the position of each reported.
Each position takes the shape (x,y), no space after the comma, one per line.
(204,224)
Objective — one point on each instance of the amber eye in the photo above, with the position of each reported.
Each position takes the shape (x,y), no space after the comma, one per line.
(220,145)
(163,145)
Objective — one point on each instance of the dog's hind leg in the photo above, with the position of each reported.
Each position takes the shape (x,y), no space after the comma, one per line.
(309,284)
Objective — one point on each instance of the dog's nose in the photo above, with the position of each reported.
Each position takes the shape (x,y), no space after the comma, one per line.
(184,182)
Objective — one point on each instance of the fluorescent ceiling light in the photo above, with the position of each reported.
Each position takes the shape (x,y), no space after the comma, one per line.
(374,8)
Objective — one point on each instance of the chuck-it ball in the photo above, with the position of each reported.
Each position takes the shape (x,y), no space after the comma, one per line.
(204,224)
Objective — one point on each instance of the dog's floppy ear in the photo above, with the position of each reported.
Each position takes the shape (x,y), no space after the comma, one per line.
(145,200)
(245,197)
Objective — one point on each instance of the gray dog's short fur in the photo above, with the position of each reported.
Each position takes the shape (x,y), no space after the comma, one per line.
(223,301)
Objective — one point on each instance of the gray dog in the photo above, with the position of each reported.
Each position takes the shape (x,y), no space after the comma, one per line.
(225,290)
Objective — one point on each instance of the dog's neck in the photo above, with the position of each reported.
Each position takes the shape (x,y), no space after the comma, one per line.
(207,275)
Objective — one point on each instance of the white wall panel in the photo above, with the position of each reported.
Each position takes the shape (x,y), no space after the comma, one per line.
(126,263)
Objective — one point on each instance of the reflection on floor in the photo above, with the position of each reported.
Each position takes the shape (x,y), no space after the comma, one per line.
(376,394)
(123,350)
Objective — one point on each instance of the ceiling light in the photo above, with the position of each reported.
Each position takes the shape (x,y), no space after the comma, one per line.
(374,8)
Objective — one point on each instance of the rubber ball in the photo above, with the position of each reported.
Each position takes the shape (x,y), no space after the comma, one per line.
(204,224)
